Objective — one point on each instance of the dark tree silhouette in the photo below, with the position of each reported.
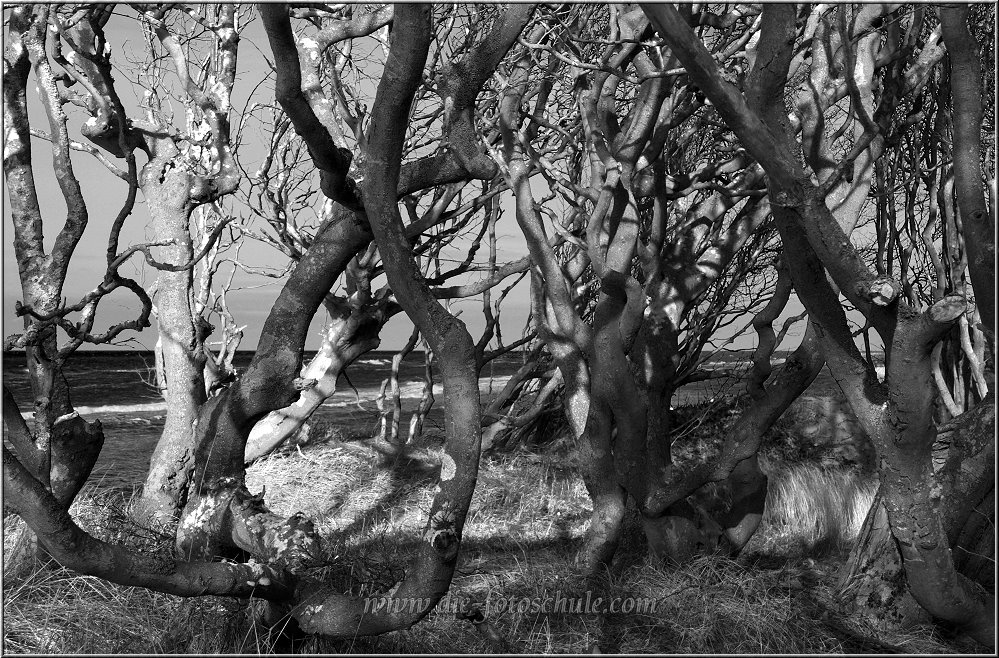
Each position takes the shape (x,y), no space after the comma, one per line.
(672,172)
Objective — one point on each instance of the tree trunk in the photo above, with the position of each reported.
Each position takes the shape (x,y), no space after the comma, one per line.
(874,583)
(749,493)
(351,333)
(73,447)
(615,433)
(60,448)
(897,415)
(608,497)
(436,556)
(419,416)
(977,218)
(74,549)
(738,460)
(976,545)
(269,383)
(164,491)
(391,416)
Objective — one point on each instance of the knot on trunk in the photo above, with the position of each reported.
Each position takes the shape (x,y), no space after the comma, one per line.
(445,542)
(948,309)
(442,535)
(291,543)
(200,535)
(302,384)
(880,292)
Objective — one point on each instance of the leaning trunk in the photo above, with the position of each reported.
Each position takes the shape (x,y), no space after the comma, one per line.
(351,333)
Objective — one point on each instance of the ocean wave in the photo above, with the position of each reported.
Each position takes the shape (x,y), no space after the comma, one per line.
(374,362)
(345,396)
(124,408)
(114,409)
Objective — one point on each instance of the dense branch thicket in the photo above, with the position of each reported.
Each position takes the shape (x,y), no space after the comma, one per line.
(674,175)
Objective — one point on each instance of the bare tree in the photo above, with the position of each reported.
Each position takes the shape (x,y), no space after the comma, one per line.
(60,448)
(335,131)
(898,412)
(651,177)
(184,171)
(220,516)
(663,221)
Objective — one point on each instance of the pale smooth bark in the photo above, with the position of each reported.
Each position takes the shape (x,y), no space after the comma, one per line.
(351,332)
(180,343)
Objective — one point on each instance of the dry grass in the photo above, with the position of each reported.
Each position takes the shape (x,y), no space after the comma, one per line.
(49,609)
(527,517)
(816,509)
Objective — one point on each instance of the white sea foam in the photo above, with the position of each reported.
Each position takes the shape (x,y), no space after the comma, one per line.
(345,396)
(114,409)
(124,408)
(374,362)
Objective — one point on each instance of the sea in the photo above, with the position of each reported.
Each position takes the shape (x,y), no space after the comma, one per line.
(118,387)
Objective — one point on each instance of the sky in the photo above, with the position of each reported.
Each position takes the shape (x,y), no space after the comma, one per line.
(252,295)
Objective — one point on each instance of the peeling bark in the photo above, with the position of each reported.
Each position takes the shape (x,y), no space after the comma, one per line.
(225,421)
(434,561)
(351,333)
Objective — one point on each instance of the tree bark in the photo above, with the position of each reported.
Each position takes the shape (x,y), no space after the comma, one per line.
(167,192)
(269,383)
(897,415)
(977,219)
(73,548)
(615,460)
(61,447)
(435,558)
(351,333)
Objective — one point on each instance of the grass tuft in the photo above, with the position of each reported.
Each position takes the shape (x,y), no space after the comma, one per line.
(816,509)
